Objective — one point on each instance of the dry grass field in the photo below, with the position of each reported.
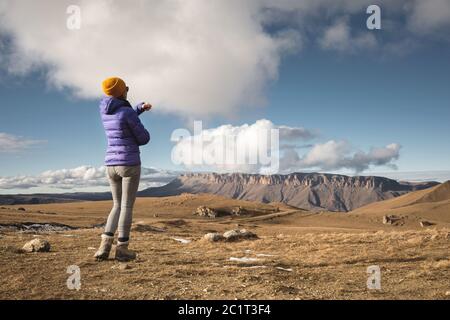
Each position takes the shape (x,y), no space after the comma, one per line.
(298,254)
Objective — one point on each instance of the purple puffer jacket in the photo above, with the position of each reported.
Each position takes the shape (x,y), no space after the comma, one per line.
(124,131)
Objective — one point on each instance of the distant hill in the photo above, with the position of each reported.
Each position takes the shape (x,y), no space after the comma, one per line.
(41,198)
(311,191)
(437,194)
(432,204)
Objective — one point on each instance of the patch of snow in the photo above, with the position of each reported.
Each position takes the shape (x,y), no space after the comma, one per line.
(184,241)
(244,259)
(284,269)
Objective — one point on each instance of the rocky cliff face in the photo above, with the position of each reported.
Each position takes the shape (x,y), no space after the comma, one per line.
(312,191)
(293,179)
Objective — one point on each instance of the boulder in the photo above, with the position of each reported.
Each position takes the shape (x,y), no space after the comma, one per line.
(232,234)
(391,219)
(239,211)
(238,234)
(203,211)
(37,245)
(213,237)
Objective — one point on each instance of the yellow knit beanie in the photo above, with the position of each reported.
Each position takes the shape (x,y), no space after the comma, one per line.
(114,87)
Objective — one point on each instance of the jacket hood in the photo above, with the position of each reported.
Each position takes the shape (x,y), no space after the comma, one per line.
(109,105)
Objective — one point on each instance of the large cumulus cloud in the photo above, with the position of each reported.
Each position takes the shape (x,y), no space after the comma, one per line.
(187,57)
(296,149)
(196,57)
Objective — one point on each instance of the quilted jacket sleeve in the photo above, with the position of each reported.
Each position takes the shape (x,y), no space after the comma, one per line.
(137,128)
(138,108)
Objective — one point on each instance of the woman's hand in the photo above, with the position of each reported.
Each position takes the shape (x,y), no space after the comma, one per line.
(146,106)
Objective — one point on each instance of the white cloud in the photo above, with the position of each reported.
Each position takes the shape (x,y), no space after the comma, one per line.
(81,177)
(195,152)
(189,57)
(338,37)
(336,155)
(428,16)
(245,148)
(196,57)
(11,144)
(293,133)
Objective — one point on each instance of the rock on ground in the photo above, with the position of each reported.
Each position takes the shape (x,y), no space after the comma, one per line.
(203,211)
(37,245)
(238,234)
(424,223)
(239,211)
(392,220)
(213,237)
(231,235)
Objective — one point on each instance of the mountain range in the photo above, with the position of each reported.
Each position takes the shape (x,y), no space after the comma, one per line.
(311,191)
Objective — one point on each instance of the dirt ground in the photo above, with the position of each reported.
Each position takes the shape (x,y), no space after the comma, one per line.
(298,254)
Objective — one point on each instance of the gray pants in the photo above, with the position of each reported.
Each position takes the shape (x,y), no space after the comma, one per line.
(124,181)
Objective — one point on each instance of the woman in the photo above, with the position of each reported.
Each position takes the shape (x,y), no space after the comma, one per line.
(125,134)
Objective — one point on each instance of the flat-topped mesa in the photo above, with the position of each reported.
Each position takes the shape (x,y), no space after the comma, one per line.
(294,179)
(310,191)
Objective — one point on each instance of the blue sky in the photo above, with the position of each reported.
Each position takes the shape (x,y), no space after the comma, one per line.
(368,96)
(371,101)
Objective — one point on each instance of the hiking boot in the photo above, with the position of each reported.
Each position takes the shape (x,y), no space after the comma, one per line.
(122,252)
(105,247)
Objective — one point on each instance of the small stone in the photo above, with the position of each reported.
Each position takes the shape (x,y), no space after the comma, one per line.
(447,293)
(424,224)
(21,209)
(37,245)
(213,237)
